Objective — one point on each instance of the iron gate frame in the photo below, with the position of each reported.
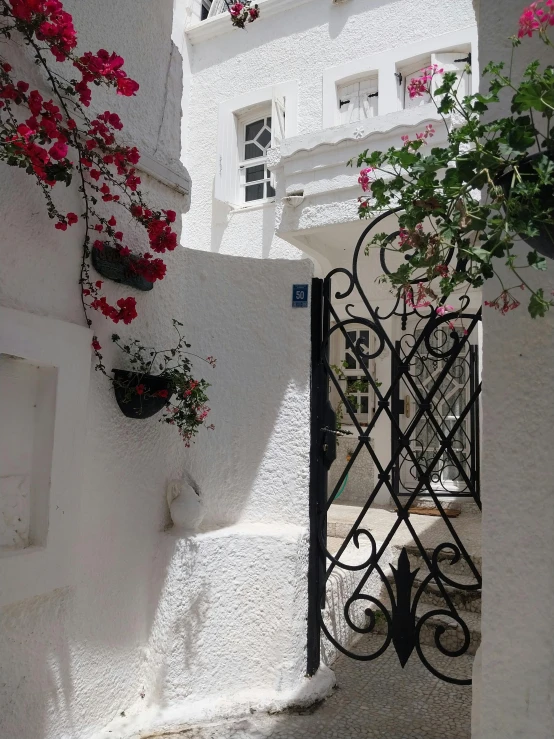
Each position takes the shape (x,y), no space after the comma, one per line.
(403,631)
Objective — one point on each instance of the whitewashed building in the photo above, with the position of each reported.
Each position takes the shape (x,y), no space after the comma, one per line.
(275,114)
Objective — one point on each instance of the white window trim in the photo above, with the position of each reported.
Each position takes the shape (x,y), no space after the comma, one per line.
(387,63)
(228,138)
(264,111)
(339,348)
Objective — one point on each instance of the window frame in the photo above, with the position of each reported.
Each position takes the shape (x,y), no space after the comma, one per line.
(261,112)
(339,351)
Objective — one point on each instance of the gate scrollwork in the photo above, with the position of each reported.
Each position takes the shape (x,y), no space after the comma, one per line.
(434,453)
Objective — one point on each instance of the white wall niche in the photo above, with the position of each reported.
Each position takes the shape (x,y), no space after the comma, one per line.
(44,382)
(28,403)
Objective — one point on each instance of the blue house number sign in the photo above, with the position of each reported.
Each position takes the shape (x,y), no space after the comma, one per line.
(299,296)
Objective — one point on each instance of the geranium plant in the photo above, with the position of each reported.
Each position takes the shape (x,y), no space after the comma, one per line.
(54,140)
(465,206)
(159,379)
(243,12)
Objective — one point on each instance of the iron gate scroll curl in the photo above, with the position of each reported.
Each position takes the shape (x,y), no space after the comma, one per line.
(433,453)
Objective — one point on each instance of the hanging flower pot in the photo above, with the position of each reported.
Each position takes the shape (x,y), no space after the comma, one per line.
(139,395)
(543,243)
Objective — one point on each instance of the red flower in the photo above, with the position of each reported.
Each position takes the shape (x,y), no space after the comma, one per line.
(95,344)
(112,221)
(99,245)
(22,86)
(140,389)
(126,86)
(127,310)
(72,218)
(61,226)
(59,150)
(98,283)
(71,124)
(34,101)
(162,393)
(99,227)
(171,216)
(161,237)
(95,174)
(7,67)
(118,235)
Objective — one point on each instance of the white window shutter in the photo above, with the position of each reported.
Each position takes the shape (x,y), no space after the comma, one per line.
(368,105)
(349,102)
(227,161)
(218,7)
(277,120)
(453,62)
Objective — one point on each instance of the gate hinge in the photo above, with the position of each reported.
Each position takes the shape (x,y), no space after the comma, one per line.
(343,102)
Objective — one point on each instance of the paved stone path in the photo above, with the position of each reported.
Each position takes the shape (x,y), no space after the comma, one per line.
(377,700)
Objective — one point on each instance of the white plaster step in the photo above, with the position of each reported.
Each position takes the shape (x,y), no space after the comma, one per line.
(466,600)
(453,636)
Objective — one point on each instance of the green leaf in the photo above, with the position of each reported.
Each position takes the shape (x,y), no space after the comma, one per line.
(538,305)
(536,260)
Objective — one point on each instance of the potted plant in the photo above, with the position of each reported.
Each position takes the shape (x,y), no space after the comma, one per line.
(243,12)
(160,379)
(466,205)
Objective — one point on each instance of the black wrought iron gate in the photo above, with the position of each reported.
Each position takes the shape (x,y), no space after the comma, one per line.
(430,409)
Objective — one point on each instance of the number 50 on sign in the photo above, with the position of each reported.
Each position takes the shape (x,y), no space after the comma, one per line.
(300,296)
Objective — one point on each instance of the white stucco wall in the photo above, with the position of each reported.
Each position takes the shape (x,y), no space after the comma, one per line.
(144,620)
(300,45)
(514,695)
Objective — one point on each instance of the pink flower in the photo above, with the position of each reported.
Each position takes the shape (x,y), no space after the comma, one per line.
(236,9)
(443,309)
(363,179)
(528,22)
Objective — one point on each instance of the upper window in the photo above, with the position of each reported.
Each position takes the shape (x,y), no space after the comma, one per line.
(255,179)
(209,8)
(357,100)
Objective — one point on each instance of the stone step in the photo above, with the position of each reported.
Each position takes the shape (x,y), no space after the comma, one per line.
(454,570)
(466,600)
(453,636)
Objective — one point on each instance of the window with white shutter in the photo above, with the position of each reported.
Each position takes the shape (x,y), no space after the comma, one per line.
(457,61)
(357,100)
(255,139)
(248,126)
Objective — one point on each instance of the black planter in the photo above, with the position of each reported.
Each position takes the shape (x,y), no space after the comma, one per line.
(544,242)
(139,406)
(112,265)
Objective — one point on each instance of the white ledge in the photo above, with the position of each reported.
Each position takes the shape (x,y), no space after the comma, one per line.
(360,131)
(221,24)
(176,177)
